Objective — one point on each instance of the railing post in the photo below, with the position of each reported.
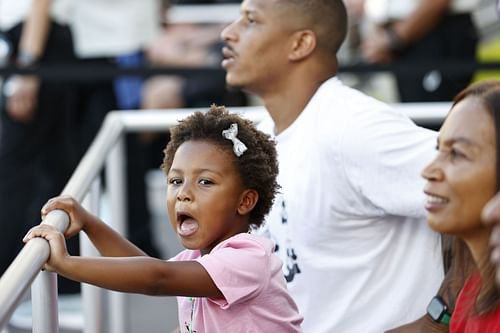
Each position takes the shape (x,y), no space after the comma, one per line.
(92,296)
(44,303)
(44,290)
(116,187)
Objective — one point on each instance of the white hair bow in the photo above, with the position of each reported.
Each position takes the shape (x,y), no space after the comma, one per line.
(238,147)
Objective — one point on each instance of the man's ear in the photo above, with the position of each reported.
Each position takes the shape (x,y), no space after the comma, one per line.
(303,44)
(248,201)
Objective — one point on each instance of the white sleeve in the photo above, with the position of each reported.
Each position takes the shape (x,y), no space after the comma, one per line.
(383,154)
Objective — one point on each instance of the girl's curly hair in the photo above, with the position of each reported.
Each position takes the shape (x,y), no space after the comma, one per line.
(258,166)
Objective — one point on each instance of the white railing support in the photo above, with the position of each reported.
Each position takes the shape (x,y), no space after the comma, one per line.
(44,303)
(92,163)
(92,297)
(20,274)
(116,187)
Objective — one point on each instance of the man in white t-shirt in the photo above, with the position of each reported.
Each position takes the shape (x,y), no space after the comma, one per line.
(349,223)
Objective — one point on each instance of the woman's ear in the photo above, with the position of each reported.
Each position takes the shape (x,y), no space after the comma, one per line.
(248,201)
(303,44)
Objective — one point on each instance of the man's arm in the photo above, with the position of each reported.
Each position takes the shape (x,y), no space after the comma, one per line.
(22,91)
(421,21)
(380,45)
(425,324)
(35,30)
(457,269)
(422,325)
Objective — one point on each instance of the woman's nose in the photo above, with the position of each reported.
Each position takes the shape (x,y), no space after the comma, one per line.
(432,172)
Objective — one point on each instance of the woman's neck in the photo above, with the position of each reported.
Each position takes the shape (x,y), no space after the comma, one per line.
(478,244)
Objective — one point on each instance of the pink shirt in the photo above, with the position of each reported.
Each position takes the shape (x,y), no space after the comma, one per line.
(249,276)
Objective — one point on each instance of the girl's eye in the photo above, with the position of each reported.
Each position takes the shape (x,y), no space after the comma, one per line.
(205,182)
(175,181)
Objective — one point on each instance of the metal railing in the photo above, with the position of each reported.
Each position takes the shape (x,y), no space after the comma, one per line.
(107,150)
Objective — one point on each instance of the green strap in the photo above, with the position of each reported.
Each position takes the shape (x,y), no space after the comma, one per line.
(446,319)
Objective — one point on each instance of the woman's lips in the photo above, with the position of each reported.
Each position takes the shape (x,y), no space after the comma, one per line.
(435,202)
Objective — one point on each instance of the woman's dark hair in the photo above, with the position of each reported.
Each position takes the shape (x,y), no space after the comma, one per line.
(488,92)
(488,298)
(257,166)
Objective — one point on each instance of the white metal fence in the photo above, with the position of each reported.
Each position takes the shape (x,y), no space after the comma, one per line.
(107,150)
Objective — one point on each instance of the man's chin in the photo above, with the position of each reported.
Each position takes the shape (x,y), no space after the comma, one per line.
(232,84)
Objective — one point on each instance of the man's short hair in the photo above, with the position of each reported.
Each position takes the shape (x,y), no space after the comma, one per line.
(327,18)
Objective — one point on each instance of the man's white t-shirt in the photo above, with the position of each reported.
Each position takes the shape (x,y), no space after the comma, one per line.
(349,222)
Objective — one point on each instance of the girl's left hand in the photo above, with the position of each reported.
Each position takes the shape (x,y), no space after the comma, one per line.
(58,251)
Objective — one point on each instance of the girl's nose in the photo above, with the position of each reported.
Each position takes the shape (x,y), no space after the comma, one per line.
(184,193)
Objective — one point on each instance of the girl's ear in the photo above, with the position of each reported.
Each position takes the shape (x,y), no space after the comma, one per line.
(304,43)
(248,201)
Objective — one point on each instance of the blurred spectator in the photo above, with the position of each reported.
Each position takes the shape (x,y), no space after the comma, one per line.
(188,45)
(185,45)
(425,31)
(107,33)
(46,126)
(36,159)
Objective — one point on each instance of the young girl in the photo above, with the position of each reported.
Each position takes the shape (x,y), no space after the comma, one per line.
(221,175)
(463,177)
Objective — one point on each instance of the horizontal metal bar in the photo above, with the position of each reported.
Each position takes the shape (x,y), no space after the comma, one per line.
(85,72)
(161,120)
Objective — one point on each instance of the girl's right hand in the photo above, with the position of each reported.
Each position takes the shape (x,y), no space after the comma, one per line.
(78,216)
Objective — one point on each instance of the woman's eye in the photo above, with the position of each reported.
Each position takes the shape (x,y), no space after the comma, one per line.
(454,154)
(250,19)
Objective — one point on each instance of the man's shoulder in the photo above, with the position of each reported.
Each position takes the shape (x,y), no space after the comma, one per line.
(266,125)
(334,92)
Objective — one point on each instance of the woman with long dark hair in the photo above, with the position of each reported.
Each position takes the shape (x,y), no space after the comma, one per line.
(460,181)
